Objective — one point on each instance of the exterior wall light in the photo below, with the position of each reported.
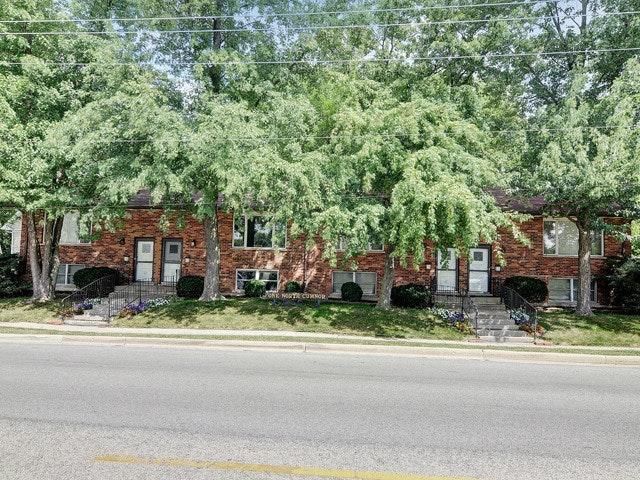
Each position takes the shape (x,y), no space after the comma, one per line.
(126,259)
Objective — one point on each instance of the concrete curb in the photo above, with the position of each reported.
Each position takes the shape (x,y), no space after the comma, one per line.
(489,355)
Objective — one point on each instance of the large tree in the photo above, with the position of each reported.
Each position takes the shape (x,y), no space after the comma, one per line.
(588,164)
(41,91)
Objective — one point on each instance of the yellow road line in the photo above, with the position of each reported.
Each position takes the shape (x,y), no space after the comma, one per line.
(264,468)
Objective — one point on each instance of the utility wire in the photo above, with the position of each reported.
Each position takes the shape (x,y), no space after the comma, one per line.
(419,8)
(311,62)
(359,136)
(319,27)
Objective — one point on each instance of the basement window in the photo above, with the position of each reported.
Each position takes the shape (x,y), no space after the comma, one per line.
(366,280)
(566,289)
(65,273)
(269,277)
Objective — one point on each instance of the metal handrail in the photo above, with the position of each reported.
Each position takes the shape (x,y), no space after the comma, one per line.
(471,309)
(96,289)
(136,291)
(514,301)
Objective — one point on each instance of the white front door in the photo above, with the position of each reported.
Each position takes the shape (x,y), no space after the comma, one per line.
(144,260)
(447,272)
(479,270)
(171,261)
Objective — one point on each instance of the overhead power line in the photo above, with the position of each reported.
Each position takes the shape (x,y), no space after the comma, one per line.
(420,23)
(363,135)
(418,8)
(312,62)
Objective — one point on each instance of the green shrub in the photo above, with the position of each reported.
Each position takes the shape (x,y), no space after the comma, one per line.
(255,288)
(351,292)
(532,289)
(625,283)
(293,287)
(88,275)
(411,295)
(190,286)
(11,271)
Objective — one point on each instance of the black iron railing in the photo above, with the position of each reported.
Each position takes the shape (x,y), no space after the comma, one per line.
(520,310)
(470,310)
(136,292)
(97,289)
(457,300)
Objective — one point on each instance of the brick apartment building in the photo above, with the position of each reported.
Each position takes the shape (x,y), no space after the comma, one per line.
(141,250)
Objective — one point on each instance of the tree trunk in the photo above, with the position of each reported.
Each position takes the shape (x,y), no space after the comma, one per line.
(212,260)
(384,300)
(44,259)
(583,306)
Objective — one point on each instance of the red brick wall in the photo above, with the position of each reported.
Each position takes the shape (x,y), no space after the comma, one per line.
(112,248)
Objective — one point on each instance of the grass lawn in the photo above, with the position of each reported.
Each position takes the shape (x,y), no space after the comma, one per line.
(601,329)
(19,310)
(255,314)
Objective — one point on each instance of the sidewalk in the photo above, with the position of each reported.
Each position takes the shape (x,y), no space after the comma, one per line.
(303,342)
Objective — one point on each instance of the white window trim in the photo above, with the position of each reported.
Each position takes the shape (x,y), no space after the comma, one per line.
(66,274)
(572,282)
(67,244)
(244,247)
(557,255)
(14,229)
(353,279)
(257,270)
(339,247)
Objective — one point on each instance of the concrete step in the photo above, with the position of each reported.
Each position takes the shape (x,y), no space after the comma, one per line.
(502,339)
(495,323)
(485,300)
(147,288)
(87,321)
(505,332)
(491,307)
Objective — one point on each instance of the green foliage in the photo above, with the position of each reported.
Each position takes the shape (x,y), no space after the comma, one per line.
(190,286)
(88,275)
(410,295)
(293,287)
(11,271)
(351,292)
(532,289)
(255,288)
(625,283)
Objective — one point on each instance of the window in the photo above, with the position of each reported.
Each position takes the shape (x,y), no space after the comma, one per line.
(65,273)
(374,245)
(11,233)
(566,289)
(366,280)
(71,231)
(269,277)
(257,233)
(560,237)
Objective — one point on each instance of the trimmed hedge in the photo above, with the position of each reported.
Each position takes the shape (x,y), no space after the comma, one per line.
(411,295)
(88,275)
(351,292)
(254,288)
(293,287)
(190,286)
(532,289)
(625,282)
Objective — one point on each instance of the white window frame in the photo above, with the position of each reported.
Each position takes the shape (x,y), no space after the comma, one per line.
(353,279)
(68,281)
(79,242)
(257,276)
(342,246)
(573,288)
(14,228)
(561,219)
(244,240)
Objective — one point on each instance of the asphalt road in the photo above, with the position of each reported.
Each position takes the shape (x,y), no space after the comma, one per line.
(73,411)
